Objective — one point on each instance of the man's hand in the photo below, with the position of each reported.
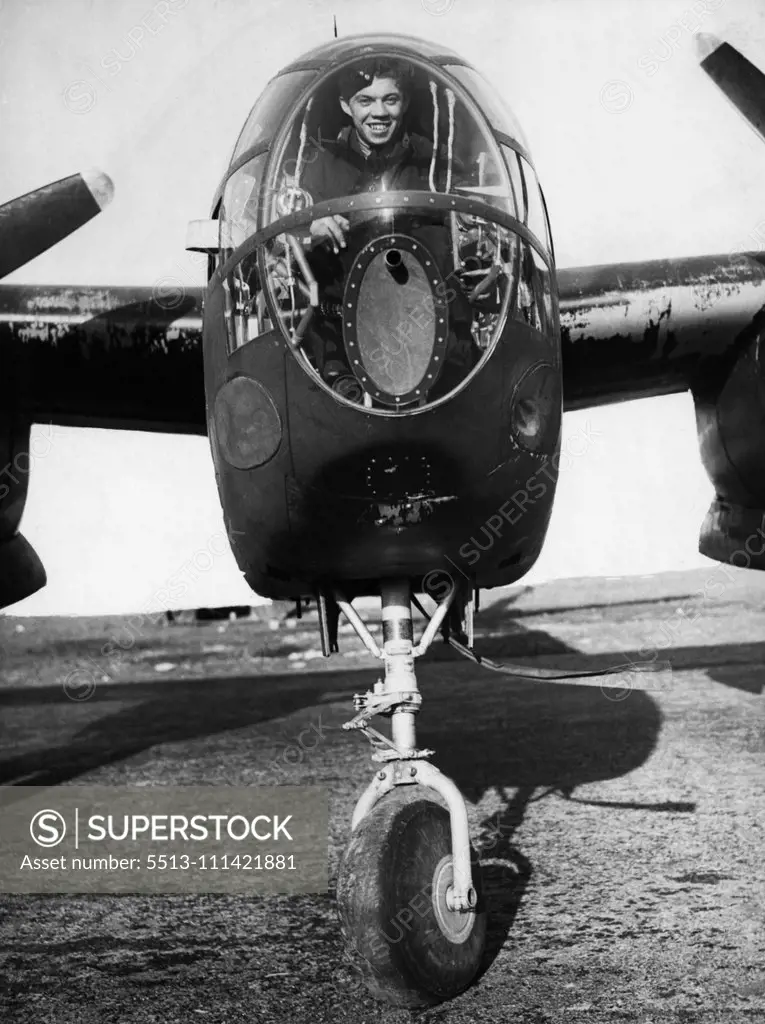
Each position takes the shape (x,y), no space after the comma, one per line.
(330,229)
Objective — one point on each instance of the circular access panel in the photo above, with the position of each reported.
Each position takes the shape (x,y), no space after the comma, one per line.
(247,423)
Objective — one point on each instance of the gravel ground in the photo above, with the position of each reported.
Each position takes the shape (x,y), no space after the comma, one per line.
(621,832)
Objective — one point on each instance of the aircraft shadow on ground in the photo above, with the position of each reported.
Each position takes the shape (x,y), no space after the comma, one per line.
(527,739)
(523,739)
(517,737)
(157,712)
(740,666)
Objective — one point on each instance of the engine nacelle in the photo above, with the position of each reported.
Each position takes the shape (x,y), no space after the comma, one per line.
(21,571)
(731,425)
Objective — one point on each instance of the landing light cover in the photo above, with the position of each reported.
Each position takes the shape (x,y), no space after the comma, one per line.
(535,407)
(248,427)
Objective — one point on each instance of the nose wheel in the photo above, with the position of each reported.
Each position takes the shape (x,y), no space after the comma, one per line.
(409,946)
(408,889)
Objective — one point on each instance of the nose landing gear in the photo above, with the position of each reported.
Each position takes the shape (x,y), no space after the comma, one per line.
(408,888)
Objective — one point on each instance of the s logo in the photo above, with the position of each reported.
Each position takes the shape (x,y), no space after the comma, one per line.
(47,828)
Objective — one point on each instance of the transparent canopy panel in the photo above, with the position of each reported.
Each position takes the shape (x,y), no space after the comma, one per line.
(390,243)
(390,321)
(268,114)
(500,116)
(386,125)
(238,216)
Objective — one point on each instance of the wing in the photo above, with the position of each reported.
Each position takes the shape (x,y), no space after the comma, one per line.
(637,330)
(640,329)
(109,357)
(634,330)
(87,356)
(91,356)
(104,357)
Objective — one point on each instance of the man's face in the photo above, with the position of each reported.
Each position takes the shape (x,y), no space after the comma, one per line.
(376,111)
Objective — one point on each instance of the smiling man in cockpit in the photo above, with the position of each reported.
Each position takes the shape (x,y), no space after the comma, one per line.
(374,153)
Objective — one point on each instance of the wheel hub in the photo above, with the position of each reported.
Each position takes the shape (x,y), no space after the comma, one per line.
(455,924)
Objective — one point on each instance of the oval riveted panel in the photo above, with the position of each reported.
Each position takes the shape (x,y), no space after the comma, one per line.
(395,319)
(247,423)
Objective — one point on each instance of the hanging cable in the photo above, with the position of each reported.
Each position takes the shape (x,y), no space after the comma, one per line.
(294,193)
(542,674)
(450,142)
(555,675)
(432,175)
(301,149)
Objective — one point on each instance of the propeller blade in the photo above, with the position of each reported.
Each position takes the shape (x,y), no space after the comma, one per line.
(21,571)
(739,79)
(34,222)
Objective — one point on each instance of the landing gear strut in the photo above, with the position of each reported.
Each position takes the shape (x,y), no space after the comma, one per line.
(408,889)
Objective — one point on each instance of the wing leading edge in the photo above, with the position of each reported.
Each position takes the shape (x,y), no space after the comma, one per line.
(104,357)
(126,357)
(635,330)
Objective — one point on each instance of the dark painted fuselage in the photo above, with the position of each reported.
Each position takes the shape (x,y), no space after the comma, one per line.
(353,497)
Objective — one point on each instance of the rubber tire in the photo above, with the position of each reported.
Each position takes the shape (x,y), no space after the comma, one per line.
(387,867)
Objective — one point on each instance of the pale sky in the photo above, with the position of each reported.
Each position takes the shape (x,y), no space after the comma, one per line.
(638,153)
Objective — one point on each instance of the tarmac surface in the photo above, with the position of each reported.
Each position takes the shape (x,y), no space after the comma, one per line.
(621,830)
